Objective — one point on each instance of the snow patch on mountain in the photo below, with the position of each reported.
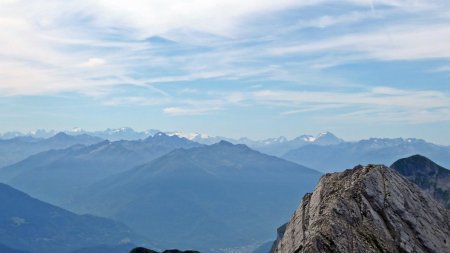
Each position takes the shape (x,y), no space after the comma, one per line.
(189,136)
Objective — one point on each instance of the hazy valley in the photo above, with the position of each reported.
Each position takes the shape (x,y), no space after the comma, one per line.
(167,191)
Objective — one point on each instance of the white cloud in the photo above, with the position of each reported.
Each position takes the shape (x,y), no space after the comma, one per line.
(411,42)
(376,105)
(377,97)
(380,103)
(44,43)
(93,62)
(135,101)
(328,20)
(8,1)
(445,68)
(220,17)
(179,111)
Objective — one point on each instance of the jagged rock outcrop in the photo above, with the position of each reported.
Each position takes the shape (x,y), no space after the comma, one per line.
(429,176)
(367,209)
(280,234)
(144,250)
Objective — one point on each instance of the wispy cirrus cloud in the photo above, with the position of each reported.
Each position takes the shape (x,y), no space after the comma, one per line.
(179,111)
(60,36)
(412,42)
(378,97)
(379,103)
(290,57)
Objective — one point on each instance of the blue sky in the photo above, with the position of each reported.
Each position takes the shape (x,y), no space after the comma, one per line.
(358,68)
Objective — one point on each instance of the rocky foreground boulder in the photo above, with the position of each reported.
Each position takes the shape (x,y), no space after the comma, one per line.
(367,209)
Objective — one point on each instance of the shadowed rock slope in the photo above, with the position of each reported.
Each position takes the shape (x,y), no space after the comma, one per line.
(367,209)
(429,176)
(4,249)
(27,224)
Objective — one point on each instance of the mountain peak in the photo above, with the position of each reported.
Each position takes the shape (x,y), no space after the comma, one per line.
(225,143)
(306,138)
(232,147)
(280,139)
(418,159)
(191,136)
(327,138)
(367,209)
(121,129)
(159,136)
(325,133)
(164,139)
(60,136)
(418,164)
(76,130)
(429,176)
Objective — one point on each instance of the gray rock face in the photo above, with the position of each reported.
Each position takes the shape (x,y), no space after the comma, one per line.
(367,209)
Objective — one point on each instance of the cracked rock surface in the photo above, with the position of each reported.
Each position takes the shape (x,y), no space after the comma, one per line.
(367,209)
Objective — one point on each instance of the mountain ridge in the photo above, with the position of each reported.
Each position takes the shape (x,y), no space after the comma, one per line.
(34,226)
(16,149)
(226,190)
(56,176)
(367,209)
(329,158)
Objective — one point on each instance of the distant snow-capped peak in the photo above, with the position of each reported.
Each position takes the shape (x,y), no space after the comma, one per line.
(189,136)
(76,130)
(307,138)
(119,130)
(324,134)
(280,139)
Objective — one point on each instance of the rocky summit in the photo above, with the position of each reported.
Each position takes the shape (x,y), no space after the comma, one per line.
(367,209)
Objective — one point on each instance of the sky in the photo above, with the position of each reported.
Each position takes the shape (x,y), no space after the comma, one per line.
(357,68)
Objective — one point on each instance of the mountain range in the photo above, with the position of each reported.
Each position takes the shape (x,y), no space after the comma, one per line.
(56,176)
(329,158)
(116,134)
(206,198)
(18,148)
(196,191)
(281,145)
(324,152)
(32,226)
(112,134)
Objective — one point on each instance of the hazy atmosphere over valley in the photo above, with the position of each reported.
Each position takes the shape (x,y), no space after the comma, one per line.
(224,126)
